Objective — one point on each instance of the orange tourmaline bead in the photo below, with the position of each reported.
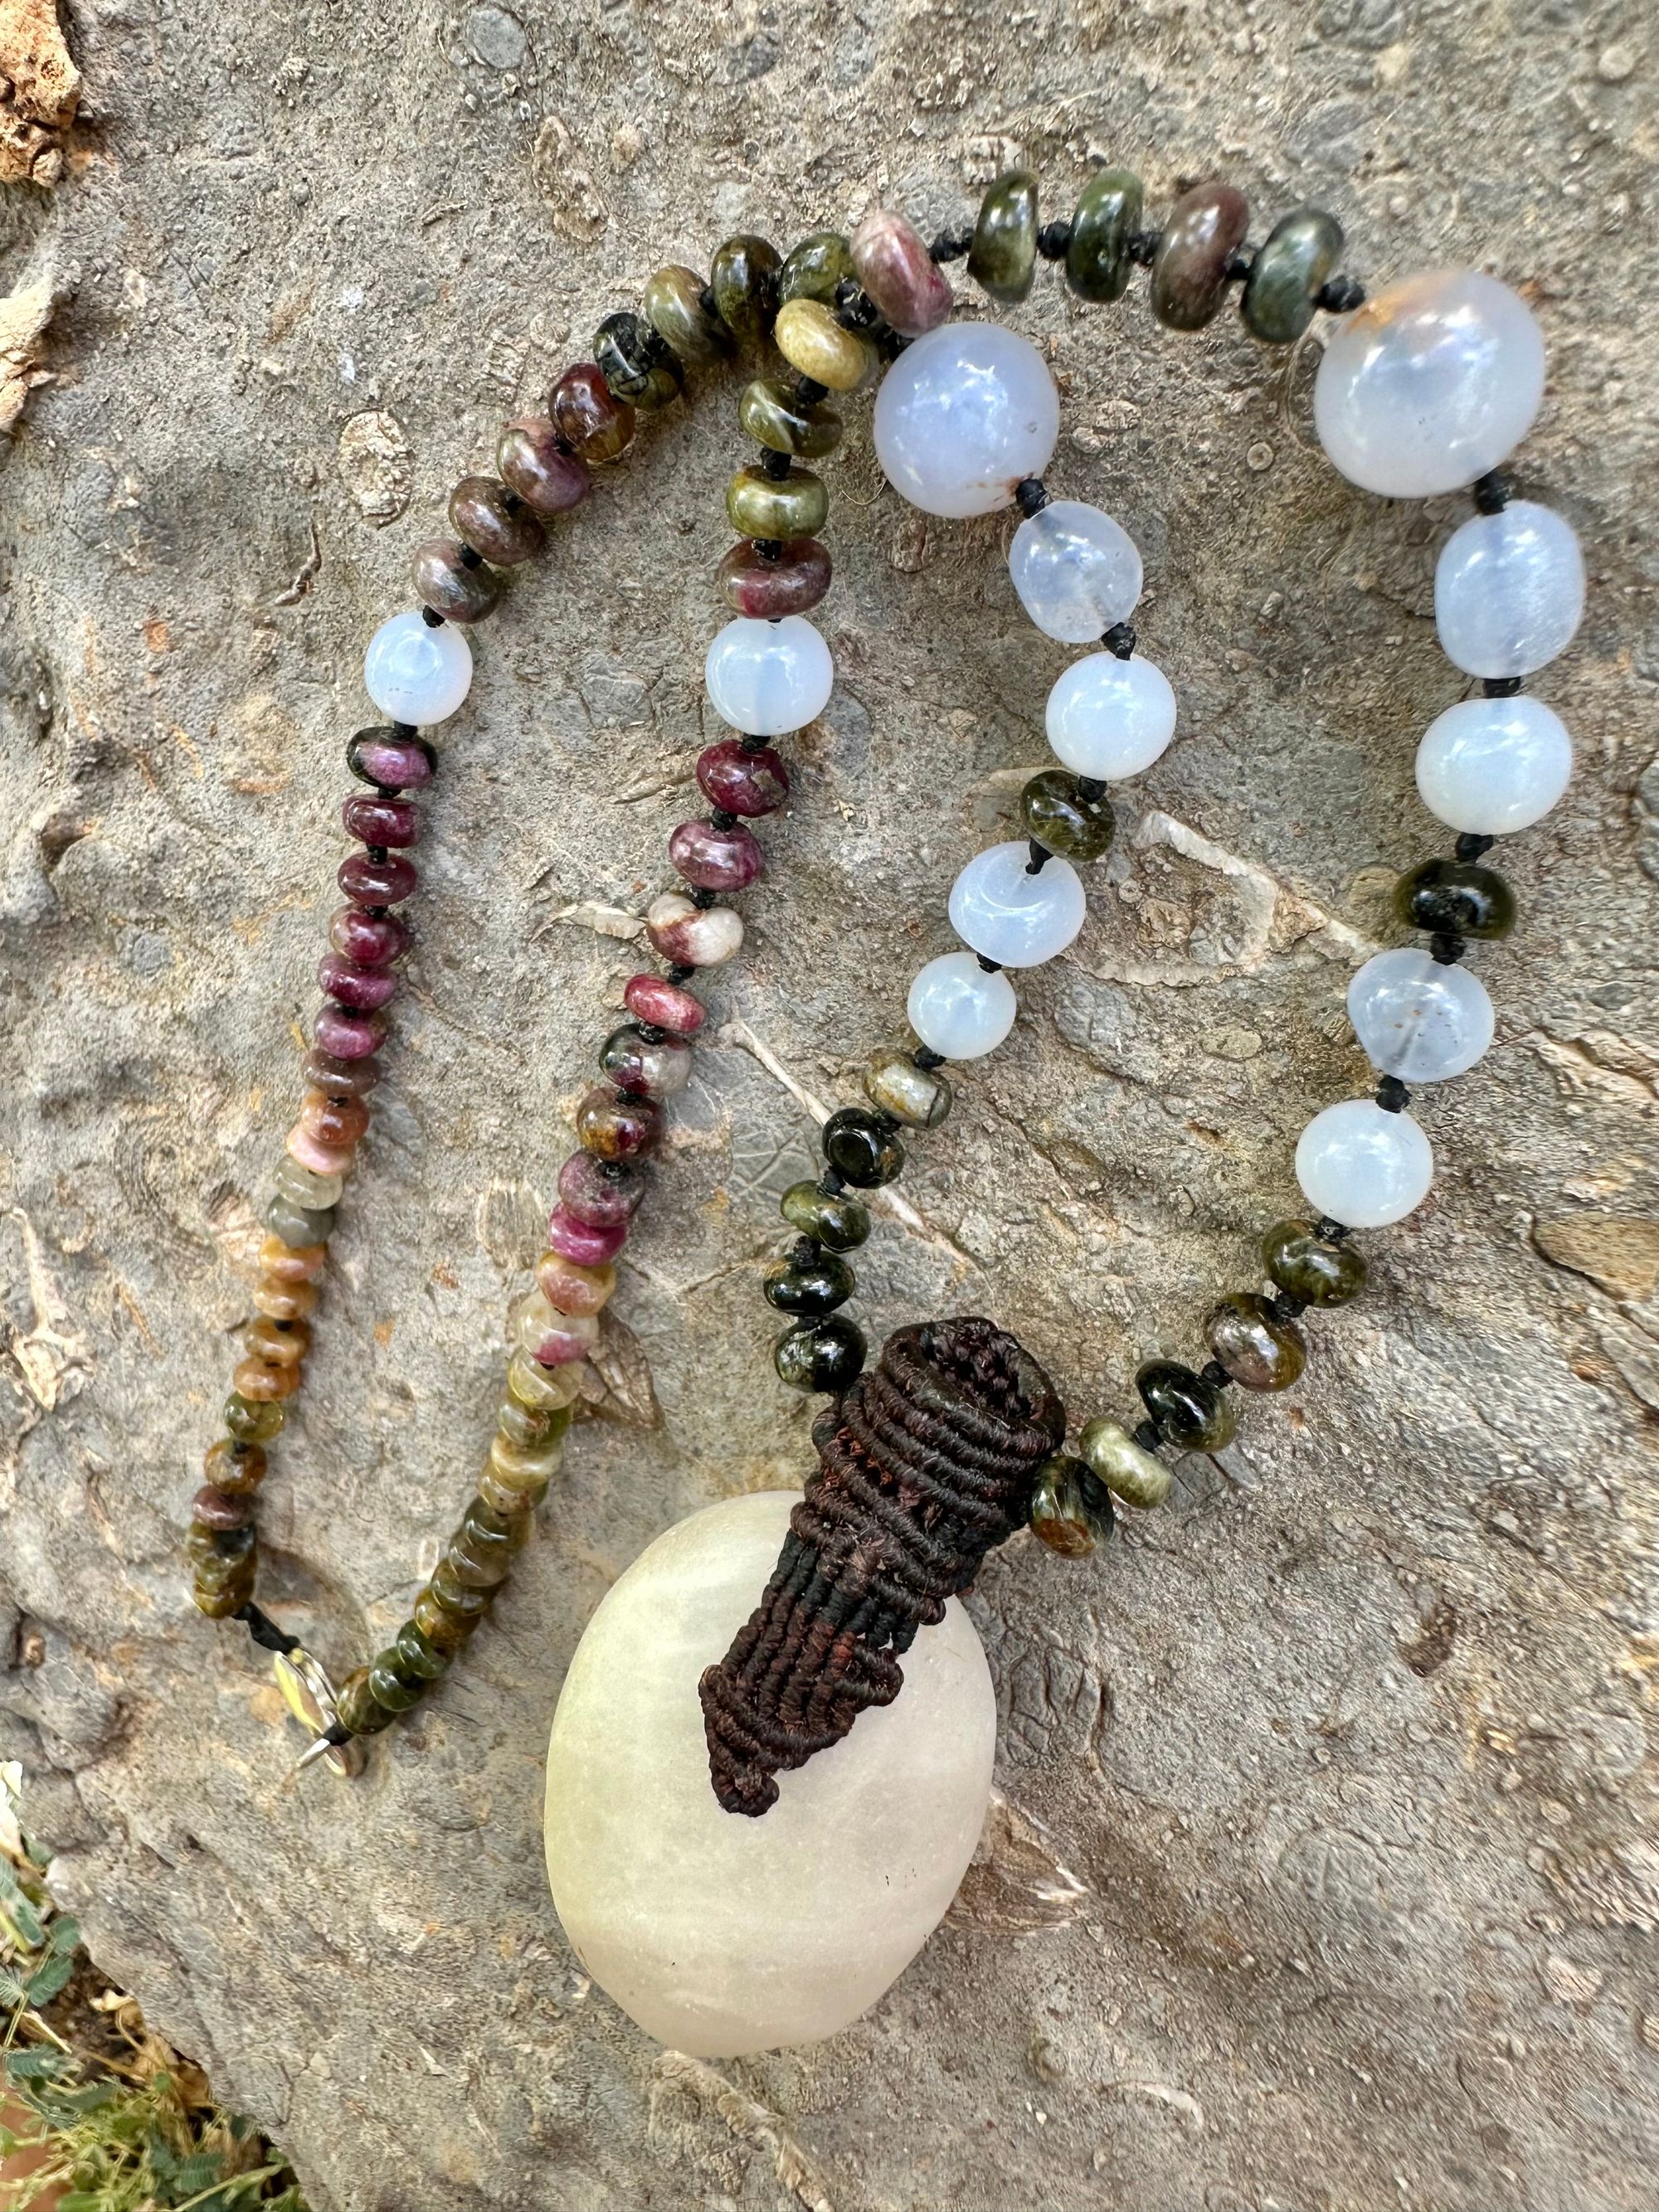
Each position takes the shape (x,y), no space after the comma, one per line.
(292,1263)
(332,1121)
(257,1381)
(284,1301)
(275,1346)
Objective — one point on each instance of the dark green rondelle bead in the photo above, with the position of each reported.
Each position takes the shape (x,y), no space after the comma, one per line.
(1455,898)
(636,364)
(1003,256)
(391,1685)
(841,1224)
(770,413)
(808,1287)
(466,1601)
(1098,261)
(673,307)
(1307,1267)
(1053,810)
(861,1149)
(480,1552)
(813,270)
(447,1627)
(253,1421)
(299,1225)
(1071,1509)
(744,278)
(418,1655)
(820,1355)
(220,1599)
(358,1707)
(1302,250)
(1187,1410)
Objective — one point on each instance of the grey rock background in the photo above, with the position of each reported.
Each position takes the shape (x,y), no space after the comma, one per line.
(1324,1877)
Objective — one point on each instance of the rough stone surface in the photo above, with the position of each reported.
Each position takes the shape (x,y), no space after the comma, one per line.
(1323,1877)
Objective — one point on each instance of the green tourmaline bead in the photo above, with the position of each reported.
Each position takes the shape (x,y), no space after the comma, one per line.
(480,1552)
(1098,265)
(860,1149)
(389,1684)
(1455,898)
(839,1223)
(1053,810)
(744,278)
(358,1707)
(1070,1509)
(444,1625)
(418,1655)
(1187,1410)
(770,413)
(1003,256)
(1139,1477)
(218,1599)
(216,1550)
(760,506)
(251,1421)
(808,1288)
(1302,250)
(299,1225)
(814,268)
(1255,1348)
(673,307)
(464,1600)
(527,1428)
(820,1355)
(1307,1267)
(919,1096)
(635,363)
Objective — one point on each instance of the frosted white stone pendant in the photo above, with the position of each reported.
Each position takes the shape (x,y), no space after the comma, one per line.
(767,678)
(721,1936)
(957,1008)
(1362,1165)
(1077,571)
(1108,718)
(963,416)
(1418,1017)
(1492,766)
(415,673)
(1509,589)
(998,907)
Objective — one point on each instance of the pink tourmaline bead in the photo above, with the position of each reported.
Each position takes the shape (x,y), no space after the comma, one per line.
(665,1006)
(741,781)
(376,883)
(376,821)
(370,939)
(364,990)
(587,1247)
(536,464)
(714,860)
(892,263)
(379,757)
(347,1036)
(322,1159)
(572,1289)
(601,1198)
(560,1338)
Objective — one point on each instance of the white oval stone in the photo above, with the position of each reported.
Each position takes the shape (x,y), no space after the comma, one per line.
(1418,1019)
(719,1935)
(955,1008)
(1492,766)
(1509,589)
(1432,382)
(1108,718)
(1078,573)
(963,416)
(767,678)
(415,673)
(999,909)
(1362,1165)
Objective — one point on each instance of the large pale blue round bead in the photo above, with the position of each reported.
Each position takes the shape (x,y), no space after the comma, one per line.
(1363,1166)
(1509,589)
(1491,767)
(998,907)
(963,416)
(415,673)
(1420,1018)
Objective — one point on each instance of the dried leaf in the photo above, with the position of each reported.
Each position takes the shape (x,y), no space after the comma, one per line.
(615,1378)
(1018,1881)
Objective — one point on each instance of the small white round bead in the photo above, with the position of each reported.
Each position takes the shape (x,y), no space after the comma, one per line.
(1108,718)
(1077,571)
(963,416)
(955,1008)
(999,909)
(1419,1019)
(767,678)
(1509,589)
(1492,766)
(415,673)
(1362,1165)
(1432,382)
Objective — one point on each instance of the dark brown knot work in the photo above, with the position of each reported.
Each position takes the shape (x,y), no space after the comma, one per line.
(926,1462)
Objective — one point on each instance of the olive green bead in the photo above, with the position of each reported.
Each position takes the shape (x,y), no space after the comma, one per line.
(813,270)
(520,1498)
(1310,1267)
(1257,1349)
(760,506)
(1003,256)
(299,1225)
(1098,263)
(389,1684)
(1282,289)
(770,414)
(840,1223)
(919,1096)
(219,1600)
(527,1428)
(744,278)
(1070,1509)
(807,1288)
(216,1550)
(818,347)
(444,1625)
(480,1552)
(1187,1410)
(1456,898)
(674,308)
(418,1655)
(544,1389)
(251,1421)
(468,1602)
(1130,1472)
(358,1707)
(820,1355)
(636,364)
(1054,809)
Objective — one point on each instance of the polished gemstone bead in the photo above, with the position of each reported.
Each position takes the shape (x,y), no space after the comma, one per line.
(372,882)
(292,1263)
(502,1497)
(964,415)
(311,1153)
(860,1149)
(442,1625)
(370,939)
(1455,898)
(1055,811)
(301,1188)
(958,1009)
(808,1287)
(740,780)
(1098,264)
(419,1656)
(840,1223)
(1019,920)
(714,859)
(1509,589)
(377,819)
(390,1685)
(466,1600)
(347,1036)
(277,1344)
(446,584)
(813,270)
(1433,383)
(359,1709)
(613,1126)
(341,1078)
(480,1552)
(770,413)
(1108,718)
(813,343)
(534,461)
(663,1005)
(332,1121)
(216,1550)
(691,936)
(258,1379)
(544,1390)
(220,1602)
(1206,228)
(767,678)
(390,762)
(673,307)
(1310,1268)
(1493,766)
(588,415)
(251,1420)
(1077,572)
(1129,1470)
(1255,1348)
(651,1067)
(635,363)
(763,506)
(298,1224)
(1420,1018)
(744,278)
(285,1301)
(572,1289)
(359,990)
(415,673)
(494,522)
(1363,1166)
(1003,256)
(903,282)
(237,1469)
(530,1464)
(1187,1411)
(790,582)
(820,1355)
(1287,275)
(597,1198)
(919,1096)
(221,1508)
(1070,1509)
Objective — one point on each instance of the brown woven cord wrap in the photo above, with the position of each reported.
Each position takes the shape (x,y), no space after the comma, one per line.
(928,1460)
